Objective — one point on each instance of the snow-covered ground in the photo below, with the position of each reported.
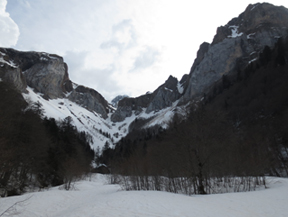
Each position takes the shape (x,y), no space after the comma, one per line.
(96,198)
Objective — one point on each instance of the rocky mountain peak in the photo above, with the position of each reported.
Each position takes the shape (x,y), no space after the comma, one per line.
(236,45)
(256,17)
(90,99)
(163,97)
(48,75)
(115,101)
(204,47)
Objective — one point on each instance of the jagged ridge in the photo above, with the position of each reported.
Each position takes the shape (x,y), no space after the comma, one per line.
(235,45)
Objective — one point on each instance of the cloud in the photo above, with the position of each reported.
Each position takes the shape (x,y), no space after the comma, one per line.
(9,30)
(123,36)
(146,58)
(58,26)
(100,79)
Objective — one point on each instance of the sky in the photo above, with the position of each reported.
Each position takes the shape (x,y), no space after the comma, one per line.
(118,46)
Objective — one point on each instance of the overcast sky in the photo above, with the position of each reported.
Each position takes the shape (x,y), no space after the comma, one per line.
(117,46)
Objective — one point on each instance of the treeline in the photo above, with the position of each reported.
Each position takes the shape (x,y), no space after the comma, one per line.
(229,142)
(37,152)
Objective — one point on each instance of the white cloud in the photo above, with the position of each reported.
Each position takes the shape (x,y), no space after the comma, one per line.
(99,78)
(123,36)
(9,30)
(146,58)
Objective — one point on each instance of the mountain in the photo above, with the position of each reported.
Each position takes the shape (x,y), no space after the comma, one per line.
(44,77)
(221,128)
(116,99)
(235,45)
(236,96)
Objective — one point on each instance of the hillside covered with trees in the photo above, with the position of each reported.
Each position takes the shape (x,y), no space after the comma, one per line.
(37,152)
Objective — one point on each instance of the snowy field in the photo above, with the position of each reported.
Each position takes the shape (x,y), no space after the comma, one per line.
(94,197)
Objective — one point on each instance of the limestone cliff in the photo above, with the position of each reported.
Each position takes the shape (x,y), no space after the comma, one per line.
(235,45)
(161,98)
(48,75)
(90,99)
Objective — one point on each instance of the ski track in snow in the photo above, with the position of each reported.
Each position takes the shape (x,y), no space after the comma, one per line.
(93,198)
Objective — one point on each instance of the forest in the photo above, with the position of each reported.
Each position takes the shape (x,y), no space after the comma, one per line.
(37,152)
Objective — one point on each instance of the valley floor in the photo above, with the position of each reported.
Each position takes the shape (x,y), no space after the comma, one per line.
(94,197)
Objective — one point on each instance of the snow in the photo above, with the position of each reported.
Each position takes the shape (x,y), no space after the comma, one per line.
(180,88)
(74,85)
(10,63)
(44,59)
(235,33)
(92,123)
(165,88)
(88,121)
(94,197)
(252,60)
(250,36)
(164,116)
(52,57)
(83,119)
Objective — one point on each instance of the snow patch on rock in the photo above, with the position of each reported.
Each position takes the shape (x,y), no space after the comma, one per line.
(235,32)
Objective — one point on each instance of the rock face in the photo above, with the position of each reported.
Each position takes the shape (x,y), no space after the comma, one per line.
(164,95)
(115,101)
(161,98)
(47,74)
(10,70)
(236,44)
(128,104)
(90,99)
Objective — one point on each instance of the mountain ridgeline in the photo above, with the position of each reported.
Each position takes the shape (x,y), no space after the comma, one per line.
(226,118)
(234,47)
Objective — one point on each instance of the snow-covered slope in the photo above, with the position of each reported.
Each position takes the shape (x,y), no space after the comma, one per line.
(102,130)
(96,198)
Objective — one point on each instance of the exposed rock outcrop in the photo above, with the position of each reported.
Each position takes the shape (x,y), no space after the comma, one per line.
(47,74)
(90,99)
(115,101)
(161,98)
(164,95)
(10,70)
(129,104)
(236,45)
